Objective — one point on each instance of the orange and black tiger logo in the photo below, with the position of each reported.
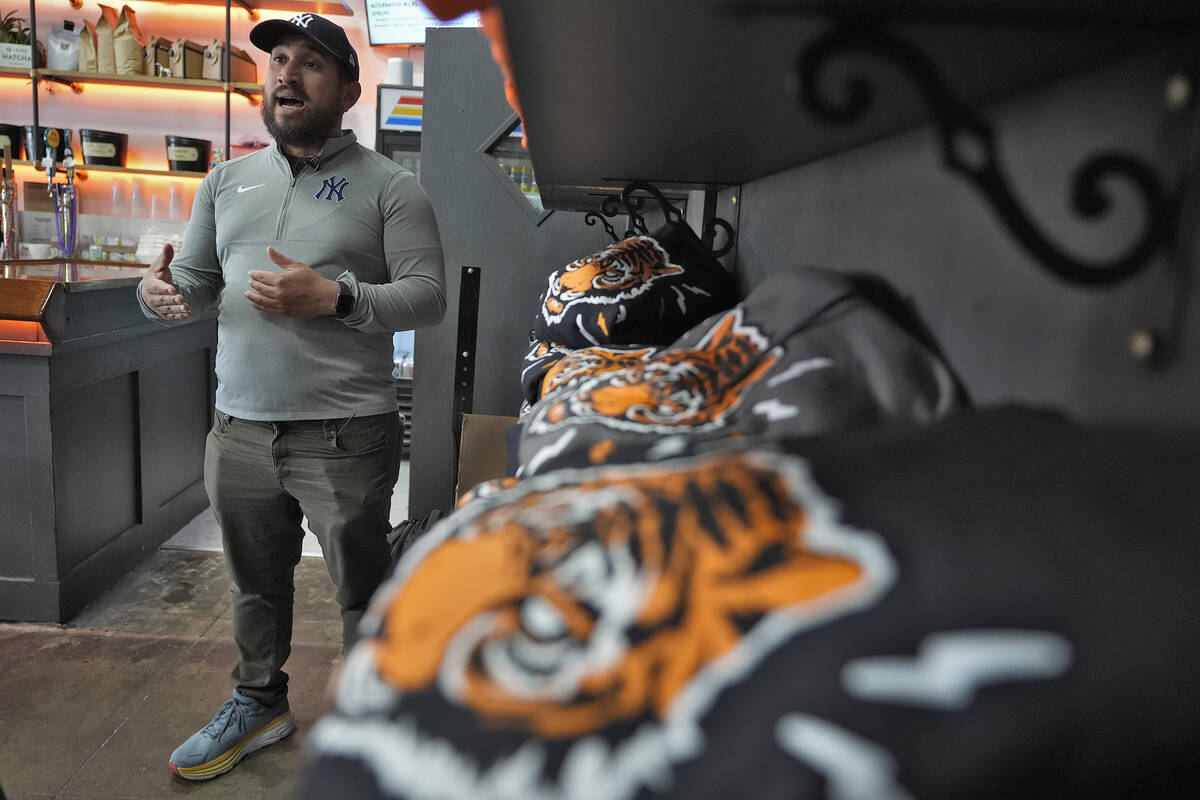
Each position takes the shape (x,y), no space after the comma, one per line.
(680,387)
(615,599)
(622,272)
(589,362)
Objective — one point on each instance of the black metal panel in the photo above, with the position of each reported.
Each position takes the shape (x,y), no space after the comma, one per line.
(404,396)
(464,356)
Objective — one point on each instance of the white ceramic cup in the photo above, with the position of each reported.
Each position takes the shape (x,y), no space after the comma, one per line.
(40,250)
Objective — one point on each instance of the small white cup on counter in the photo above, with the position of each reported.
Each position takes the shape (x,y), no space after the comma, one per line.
(40,250)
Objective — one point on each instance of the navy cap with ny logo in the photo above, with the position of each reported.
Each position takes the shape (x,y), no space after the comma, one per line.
(329,36)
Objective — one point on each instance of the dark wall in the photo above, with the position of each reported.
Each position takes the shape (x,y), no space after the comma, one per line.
(1015,332)
(481,226)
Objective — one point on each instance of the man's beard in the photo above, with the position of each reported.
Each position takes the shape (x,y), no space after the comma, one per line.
(319,124)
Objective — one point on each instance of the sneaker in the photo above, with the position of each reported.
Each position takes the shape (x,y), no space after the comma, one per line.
(241,726)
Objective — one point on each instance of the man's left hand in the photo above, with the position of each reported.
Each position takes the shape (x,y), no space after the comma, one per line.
(297,292)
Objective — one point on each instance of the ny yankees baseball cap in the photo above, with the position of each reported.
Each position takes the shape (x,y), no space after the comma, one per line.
(327,35)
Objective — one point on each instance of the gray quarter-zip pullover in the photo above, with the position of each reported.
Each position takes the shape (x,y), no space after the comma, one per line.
(350,214)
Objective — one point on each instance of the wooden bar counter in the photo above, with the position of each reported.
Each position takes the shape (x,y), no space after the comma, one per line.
(103,416)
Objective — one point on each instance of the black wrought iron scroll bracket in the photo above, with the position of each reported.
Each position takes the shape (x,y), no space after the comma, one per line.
(968,146)
(633,203)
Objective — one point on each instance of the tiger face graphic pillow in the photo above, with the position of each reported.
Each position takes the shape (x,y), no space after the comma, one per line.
(644,290)
(805,353)
(587,606)
(687,388)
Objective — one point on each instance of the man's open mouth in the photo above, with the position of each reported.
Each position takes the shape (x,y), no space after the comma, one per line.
(289,102)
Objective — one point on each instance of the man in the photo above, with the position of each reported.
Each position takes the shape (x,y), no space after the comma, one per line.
(315,250)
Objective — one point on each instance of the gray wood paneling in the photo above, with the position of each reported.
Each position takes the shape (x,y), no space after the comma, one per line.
(16,516)
(95,467)
(481,226)
(174,418)
(26,487)
(1016,333)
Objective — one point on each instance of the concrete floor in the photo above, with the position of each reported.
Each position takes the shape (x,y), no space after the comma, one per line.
(91,710)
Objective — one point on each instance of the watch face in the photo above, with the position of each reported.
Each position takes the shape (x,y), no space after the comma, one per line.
(345,303)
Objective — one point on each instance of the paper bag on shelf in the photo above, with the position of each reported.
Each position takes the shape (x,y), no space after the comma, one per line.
(87,47)
(128,43)
(185,59)
(155,56)
(241,67)
(106,58)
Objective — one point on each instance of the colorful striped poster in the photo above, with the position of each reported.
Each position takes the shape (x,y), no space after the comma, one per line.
(400,109)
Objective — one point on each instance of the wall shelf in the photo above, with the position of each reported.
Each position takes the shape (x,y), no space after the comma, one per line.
(190,84)
(251,91)
(82,170)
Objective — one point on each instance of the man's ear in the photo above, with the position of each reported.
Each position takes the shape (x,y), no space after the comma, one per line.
(350,96)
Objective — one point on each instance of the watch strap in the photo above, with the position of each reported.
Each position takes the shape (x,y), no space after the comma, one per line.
(345,301)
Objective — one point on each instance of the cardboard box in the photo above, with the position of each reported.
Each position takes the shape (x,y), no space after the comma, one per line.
(185,59)
(482,451)
(241,67)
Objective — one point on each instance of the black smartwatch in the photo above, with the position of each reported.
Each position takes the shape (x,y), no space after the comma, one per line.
(345,301)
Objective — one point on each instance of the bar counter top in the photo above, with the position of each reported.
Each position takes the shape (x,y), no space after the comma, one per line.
(56,303)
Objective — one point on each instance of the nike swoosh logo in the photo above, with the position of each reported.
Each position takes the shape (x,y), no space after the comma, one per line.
(248,188)
(950,667)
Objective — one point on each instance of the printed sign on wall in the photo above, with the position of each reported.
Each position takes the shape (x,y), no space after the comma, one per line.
(400,109)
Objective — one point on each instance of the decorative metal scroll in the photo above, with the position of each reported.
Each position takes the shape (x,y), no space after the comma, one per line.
(969,148)
(636,203)
(709,234)
(591,218)
(633,201)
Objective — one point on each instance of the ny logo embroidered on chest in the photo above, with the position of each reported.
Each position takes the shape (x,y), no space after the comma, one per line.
(332,189)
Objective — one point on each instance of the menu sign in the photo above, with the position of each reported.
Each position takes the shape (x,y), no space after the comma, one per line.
(405,21)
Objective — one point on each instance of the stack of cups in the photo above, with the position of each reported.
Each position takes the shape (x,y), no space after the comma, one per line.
(138,205)
(400,71)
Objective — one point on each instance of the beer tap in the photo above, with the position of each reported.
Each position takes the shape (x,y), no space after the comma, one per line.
(62,194)
(8,211)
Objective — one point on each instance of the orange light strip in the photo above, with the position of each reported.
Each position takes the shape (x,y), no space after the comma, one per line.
(146,93)
(21,331)
(28,172)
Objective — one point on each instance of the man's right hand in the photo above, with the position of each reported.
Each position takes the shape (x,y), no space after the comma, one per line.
(158,292)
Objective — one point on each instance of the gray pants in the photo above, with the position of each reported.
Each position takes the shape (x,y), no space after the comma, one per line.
(262,477)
